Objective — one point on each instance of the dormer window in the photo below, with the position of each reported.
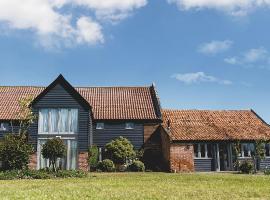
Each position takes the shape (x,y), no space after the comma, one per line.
(3,126)
(100,125)
(130,125)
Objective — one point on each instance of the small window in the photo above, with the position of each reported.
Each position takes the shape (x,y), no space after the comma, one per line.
(130,125)
(3,126)
(267,150)
(202,150)
(100,126)
(247,149)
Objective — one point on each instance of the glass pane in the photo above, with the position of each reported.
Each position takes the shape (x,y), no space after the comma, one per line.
(63,121)
(245,149)
(43,163)
(43,120)
(202,150)
(195,150)
(73,120)
(54,120)
(267,149)
(100,126)
(209,150)
(73,154)
(251,149)
(129,125)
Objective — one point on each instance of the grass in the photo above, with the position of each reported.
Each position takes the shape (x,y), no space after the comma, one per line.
(141,186)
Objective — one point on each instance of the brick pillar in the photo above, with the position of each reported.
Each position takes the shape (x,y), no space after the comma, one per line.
(181,158)
(83,161)
(33,161)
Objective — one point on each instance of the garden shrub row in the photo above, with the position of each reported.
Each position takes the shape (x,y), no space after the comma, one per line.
(41,174)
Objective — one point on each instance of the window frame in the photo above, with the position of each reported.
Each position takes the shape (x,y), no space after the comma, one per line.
(58,122)
(102,127)
(199,153)
(128,127)
(249,150)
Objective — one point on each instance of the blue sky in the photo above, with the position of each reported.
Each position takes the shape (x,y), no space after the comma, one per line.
(200,54)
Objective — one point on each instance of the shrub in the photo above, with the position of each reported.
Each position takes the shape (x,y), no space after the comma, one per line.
(70,174)
(106,165)
(52,150)
(246,167)
(137,166)
(266,171)
(119,150)
(93,157)
(14,152)
(41,174)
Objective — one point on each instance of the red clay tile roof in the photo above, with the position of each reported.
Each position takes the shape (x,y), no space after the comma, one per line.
(215,125)
(107,102)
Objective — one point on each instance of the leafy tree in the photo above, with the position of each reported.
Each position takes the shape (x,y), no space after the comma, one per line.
(93,157)
(259,152)
(25,116)
(52,150)
(14,152)
(120,150)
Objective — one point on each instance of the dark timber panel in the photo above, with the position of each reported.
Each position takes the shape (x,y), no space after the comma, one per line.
(113,130)
(203,164)
(58,97)
(265,163)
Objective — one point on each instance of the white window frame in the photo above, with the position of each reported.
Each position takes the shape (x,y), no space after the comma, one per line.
(100,127)
(242,155)
(68,152)
(58,132)
(199,151)
(129,127)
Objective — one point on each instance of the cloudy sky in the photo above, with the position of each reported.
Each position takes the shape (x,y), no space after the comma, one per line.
(201,54)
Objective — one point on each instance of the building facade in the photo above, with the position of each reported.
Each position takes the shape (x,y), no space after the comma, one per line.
(174,140)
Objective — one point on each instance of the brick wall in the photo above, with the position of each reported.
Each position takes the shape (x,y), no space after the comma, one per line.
(181,158)
(83,161)
(33,161)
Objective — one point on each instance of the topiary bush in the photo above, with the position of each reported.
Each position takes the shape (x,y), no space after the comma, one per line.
(14,152)
(137,166)
(120,150)
(52,150)
(106,165)
(93,157)
(246,167)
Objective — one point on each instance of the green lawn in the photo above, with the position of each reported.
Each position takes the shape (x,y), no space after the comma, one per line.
(141,186)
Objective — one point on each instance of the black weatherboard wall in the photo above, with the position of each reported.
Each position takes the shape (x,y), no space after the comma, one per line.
(59,97)
(113,130)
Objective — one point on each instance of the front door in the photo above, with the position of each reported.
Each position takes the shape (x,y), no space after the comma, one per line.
(225,157)
(69,162)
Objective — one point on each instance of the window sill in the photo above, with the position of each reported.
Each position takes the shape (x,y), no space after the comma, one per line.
(196,158)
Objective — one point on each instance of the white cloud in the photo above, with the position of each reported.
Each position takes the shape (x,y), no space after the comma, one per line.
(54,27)
(253,57)
(232,7)
(215,46)
(198,77)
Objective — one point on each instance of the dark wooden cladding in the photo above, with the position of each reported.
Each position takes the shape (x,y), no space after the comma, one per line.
(58,97)
(113,130)
(203,164)
(265,163)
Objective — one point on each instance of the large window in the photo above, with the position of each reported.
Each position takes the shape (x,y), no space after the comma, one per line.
(55,121)
(69,162)
(247,149)
(202,150)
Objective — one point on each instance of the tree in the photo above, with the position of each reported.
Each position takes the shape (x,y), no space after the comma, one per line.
(259,153)
(25,116)
(14,152)
(120,150)
(93,157)
(52,150)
